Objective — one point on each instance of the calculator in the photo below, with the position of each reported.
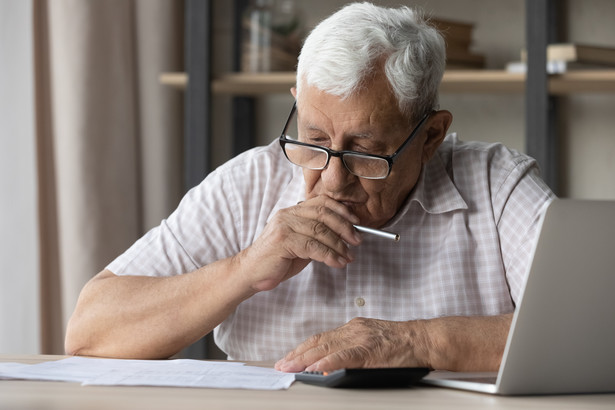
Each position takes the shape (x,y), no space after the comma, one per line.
(367,378)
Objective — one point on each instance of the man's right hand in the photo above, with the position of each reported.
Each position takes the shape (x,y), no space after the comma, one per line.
(169,313)
(318,229)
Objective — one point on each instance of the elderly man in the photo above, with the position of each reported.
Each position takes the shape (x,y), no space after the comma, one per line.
(265,250)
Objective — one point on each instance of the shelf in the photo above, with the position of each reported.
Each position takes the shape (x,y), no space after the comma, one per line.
(176,80)
(583,81)
(482,82)
(454,81)
(253,84)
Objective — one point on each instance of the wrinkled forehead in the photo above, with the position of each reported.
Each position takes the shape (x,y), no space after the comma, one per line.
(373,108)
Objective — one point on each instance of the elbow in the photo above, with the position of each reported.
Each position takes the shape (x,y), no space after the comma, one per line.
(81,331)
(82,337)
(71,348)
(74,343)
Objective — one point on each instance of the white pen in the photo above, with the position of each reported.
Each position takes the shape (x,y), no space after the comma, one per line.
(378,232)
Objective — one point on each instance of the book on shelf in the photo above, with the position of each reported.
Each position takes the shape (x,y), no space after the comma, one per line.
(458,39)
(563,57)
(581,53)
(454,32)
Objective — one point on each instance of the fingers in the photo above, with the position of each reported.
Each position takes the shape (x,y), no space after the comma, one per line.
(349,358)
(325,248)
(320,229)
(326,216)
(327,351)
(304,355)
(359,343)
(321,358)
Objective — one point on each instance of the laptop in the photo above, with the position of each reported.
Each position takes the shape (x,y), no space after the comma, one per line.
(562,337)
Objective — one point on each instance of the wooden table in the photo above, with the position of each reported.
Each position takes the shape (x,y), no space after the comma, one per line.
(25,395)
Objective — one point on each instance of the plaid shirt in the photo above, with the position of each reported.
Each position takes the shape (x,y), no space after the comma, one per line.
(467,235)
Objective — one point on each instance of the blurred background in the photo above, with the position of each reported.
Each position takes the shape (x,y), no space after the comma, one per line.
(94,124)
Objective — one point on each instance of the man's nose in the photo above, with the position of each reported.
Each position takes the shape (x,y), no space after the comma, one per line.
(336,176)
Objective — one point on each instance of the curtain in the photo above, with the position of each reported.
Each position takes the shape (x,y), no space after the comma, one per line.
(109,138)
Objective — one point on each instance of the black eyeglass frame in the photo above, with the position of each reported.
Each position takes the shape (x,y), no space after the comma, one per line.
(340,154)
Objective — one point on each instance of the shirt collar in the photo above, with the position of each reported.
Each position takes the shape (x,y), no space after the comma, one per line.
(434,191)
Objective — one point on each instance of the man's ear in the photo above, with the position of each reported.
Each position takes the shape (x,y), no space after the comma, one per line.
(436,128)
(293,91)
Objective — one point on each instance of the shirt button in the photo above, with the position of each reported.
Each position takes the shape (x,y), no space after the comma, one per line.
(360,302)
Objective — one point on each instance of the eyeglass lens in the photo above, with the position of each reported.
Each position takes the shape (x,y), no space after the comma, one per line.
(307,157)
(316,158)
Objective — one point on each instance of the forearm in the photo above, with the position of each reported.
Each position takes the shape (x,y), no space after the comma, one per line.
(467,343)
(152,317)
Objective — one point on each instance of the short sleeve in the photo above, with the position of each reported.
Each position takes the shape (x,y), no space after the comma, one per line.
(519,203)
(216,219)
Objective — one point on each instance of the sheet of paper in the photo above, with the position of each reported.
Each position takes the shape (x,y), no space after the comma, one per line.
(177,373)
(10,367)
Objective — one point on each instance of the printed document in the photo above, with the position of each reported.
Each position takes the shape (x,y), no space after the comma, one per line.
(173,373)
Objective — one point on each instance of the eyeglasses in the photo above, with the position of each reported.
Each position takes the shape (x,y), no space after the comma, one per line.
(315,157)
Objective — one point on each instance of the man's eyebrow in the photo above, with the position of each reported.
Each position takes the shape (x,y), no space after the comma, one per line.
(313,127)
(367,134)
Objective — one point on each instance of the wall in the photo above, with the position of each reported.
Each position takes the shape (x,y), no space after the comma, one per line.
(587,143)
(588,132)
(19,259)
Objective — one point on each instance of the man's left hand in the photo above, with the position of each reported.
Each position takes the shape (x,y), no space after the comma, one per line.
(360,343)
(474,343)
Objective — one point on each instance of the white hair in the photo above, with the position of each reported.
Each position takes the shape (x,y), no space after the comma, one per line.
(345,50)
